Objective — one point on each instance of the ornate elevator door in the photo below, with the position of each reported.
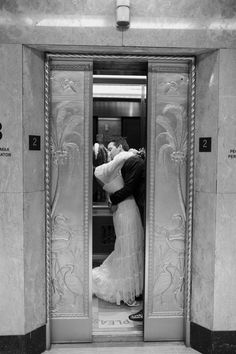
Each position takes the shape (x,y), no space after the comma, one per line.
(167,157)
(69,172)
(71,202)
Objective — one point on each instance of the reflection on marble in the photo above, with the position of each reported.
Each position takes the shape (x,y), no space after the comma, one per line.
(172,36)
(214,285)
(225,265)
(227,123)
(206,121)
(203,259)
(34,256)
(185,23)
(33,118)
(11,264)
(11,118)
(226,181)
(212,9)
(185,9)
(22,215)
(82,36)
(56,7)
(227,73)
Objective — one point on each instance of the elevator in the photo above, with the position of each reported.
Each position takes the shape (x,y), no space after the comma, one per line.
(158,118)
(119,109)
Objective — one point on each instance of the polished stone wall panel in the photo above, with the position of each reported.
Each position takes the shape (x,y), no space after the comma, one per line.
(206,121)
(203,251)
(228,73)
(34,196)
(181,9)
(55,7)
(34,260)
(11,198)
(22,214)
(215,179)
(189,24)
(227,123)
(33,118)
(225,265)
(185,9)
(226,171)
(156,34)
(61,35)
(11,264)
(11,117)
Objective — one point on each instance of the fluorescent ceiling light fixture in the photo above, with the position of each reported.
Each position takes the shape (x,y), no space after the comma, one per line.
(133,77)
(119,91)
(183,24)
(66,21)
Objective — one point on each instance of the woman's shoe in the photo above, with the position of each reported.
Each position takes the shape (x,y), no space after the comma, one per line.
(133,303)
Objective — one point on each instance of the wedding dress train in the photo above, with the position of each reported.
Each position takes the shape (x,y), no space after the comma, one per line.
(120,277)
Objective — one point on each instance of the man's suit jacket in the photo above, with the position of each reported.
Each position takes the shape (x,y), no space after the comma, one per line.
(134,176)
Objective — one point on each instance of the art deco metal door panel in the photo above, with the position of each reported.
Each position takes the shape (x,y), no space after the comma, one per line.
(168,123)
(70,190)
(69,196)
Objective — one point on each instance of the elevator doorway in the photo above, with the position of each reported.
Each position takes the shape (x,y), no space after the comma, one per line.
(119,109)
(69,186)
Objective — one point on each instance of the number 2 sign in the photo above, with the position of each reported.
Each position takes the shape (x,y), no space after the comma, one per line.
(205,144)
(34,142)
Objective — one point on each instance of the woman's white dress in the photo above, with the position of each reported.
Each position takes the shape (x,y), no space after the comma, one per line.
(120,277)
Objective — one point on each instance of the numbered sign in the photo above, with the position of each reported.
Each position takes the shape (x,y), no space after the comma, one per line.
(205,144)
(34,142)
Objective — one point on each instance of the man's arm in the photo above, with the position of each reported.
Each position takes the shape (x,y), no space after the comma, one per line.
(132,171)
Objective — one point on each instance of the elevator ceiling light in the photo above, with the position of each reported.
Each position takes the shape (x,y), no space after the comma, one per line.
(119,91)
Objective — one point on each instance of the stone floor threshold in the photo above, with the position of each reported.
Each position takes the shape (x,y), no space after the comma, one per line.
(122,348)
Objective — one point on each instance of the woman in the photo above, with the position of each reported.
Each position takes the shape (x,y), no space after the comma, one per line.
(120,277)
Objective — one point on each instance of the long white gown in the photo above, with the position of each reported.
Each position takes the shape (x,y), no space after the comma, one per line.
(120,277)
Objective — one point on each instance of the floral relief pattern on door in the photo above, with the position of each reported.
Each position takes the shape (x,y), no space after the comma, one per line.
(171,124)
(67,194)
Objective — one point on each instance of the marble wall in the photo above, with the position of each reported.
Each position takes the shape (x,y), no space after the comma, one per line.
(22,252)
(183,26)
(33,190)
(11,192)
(225,250)
(214,282)
(207,106)
(154,23)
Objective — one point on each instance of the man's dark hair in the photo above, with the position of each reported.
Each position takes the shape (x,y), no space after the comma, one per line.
(119,140)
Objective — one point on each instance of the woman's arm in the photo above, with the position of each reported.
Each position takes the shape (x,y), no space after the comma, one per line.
(109,170)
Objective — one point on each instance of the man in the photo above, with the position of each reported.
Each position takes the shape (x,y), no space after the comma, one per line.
(134,176)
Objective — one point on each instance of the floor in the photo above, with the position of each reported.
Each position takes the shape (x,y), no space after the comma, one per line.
(121,348)
(111,321)
(114,333)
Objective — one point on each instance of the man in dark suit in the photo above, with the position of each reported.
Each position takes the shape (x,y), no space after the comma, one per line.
(134,176)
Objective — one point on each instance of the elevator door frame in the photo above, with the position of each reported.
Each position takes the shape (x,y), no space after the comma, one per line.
(190,168)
